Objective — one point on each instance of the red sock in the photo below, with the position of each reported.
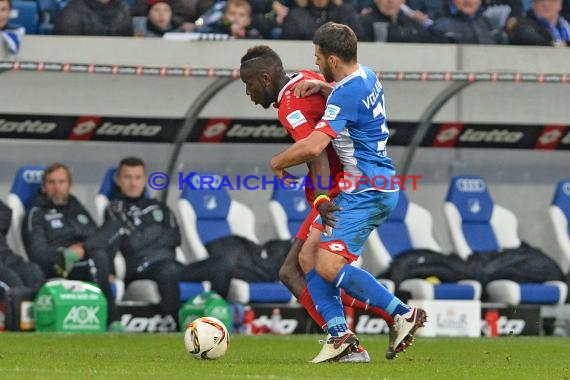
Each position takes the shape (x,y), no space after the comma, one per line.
(307,302)
(357,304)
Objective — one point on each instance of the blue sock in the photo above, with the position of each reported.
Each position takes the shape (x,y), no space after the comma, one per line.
(363,286)
(327,300)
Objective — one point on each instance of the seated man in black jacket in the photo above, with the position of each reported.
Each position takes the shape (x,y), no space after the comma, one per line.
(14,270)
(152,236)
(466,25)
(149,247)
(388,23)
(60,235)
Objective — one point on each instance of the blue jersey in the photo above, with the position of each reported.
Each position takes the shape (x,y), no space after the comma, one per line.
(355,118)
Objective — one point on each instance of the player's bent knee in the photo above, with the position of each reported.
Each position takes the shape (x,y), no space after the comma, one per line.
(328,265)
(285,275)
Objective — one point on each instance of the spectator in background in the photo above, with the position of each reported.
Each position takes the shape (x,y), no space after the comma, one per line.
(14,270)
(303,20)
(185,13)
(236,21)
(157,22)
(431,8)
(268,16)
(387,23)
(10,34)
(94,18)
(543,25)
(60,235)
(149,246)
(466,25)
(362,7)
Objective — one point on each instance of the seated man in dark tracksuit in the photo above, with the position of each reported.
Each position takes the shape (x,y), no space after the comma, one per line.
(149,247)
(14,270)
(61,236)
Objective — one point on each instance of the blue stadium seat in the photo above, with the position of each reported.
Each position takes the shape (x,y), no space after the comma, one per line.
(140,290)
(408,227)
(207,214)
(27,183)
(478,225)
(25,13)
(288,209)
(560,217)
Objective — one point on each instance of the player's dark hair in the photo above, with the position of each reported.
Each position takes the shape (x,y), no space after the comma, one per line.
(336,39)
(130,161)
(262,57)
(56,166)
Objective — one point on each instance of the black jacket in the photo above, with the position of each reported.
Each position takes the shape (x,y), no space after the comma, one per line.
(5,219)
(302,22)
(528,31)
(462,29)
(403,30)
(153,232)
(49,228)
(93,18)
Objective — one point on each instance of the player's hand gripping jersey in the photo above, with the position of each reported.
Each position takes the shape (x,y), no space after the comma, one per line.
(355,118)
(299,116)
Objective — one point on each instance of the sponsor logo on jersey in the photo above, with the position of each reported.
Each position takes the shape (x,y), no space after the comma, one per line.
(296,118)
(26,126)
(331,112)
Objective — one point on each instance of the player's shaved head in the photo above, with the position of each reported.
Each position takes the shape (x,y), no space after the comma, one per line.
(262,72)
(262,59)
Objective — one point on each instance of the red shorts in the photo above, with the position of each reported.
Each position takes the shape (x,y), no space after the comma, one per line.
(309,222)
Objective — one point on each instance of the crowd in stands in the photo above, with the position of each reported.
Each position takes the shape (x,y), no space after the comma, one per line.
(520,22)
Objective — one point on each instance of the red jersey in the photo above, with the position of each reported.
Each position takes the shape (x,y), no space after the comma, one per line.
(299,116)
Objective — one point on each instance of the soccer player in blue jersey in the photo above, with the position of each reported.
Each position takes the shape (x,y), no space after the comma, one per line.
(355,121)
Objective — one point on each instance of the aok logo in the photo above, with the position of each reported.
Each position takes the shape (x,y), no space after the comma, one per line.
(82,316)
(470,185)
(43,302)
(33,176)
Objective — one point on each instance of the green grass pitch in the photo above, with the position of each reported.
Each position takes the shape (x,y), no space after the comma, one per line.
(162,356)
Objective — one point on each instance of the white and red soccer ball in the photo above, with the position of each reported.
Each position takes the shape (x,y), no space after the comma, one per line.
(207,338)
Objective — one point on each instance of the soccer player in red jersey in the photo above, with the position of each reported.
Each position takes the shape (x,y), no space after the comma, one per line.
(267,84)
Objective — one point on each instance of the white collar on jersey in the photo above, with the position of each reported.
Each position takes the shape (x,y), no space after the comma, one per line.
(359,72)
(294,78)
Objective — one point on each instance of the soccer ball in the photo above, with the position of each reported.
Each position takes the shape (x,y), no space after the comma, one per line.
(207,338)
